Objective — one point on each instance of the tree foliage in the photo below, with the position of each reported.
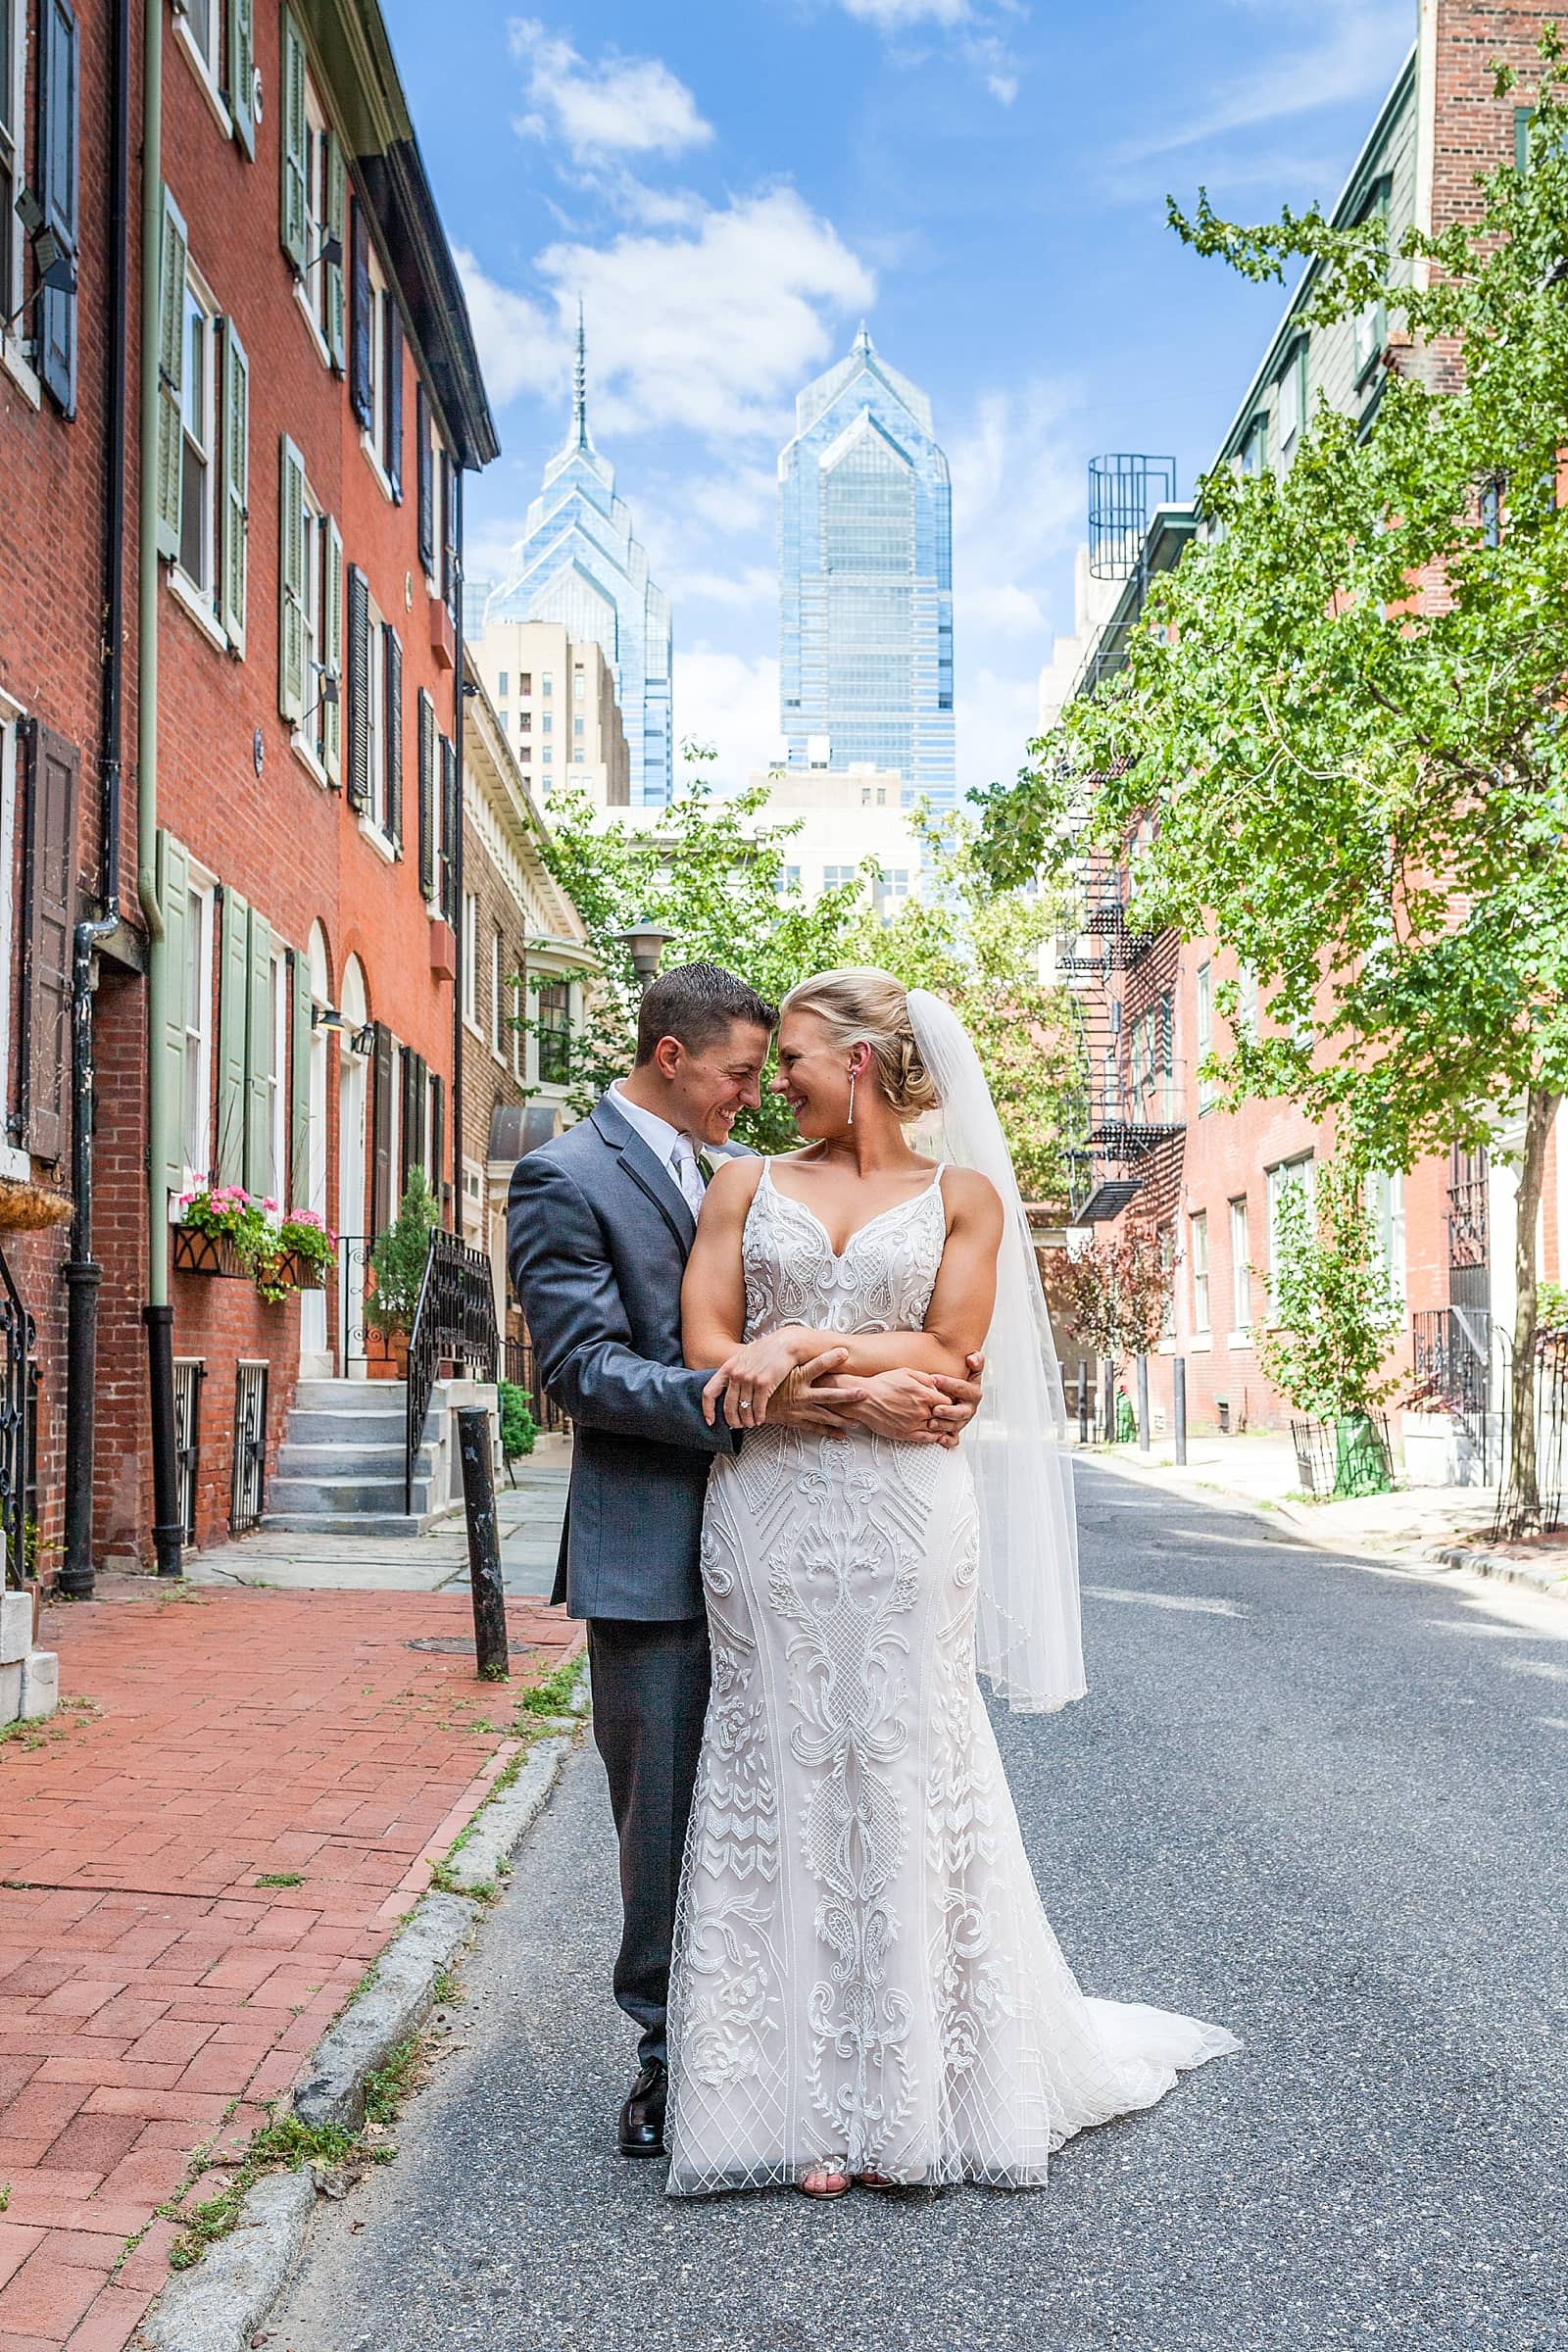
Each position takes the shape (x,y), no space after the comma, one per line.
(714,876)
(1333,1312)
(1343,710)
(1117,1294)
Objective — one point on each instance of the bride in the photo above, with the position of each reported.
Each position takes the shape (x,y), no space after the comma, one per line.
(865,1987)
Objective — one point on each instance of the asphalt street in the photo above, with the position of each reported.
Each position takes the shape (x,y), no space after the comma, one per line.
(1319,1801)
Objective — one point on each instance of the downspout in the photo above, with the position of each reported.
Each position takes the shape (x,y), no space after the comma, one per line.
(81,1273)
(157,1314)
(459,699)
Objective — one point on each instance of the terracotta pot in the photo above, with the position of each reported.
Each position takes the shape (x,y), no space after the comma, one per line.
(386,1355)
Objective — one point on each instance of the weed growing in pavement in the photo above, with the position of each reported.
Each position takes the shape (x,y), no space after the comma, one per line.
(446,1988)
(281,1878)
(5,2195)
(285,2144)
(553,1694)
(387,2089)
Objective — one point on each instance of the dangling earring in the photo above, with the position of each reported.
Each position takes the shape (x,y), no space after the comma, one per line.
(852,1099)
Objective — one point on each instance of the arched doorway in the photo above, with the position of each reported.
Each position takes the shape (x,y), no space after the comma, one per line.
(352,1073)
(316,1359)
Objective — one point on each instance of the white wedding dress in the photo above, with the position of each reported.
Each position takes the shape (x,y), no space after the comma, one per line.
(863,1971)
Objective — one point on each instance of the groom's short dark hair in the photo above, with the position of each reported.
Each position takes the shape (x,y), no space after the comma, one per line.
(697,1002)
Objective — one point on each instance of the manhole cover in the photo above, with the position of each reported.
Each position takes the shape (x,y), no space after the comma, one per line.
(461,1645)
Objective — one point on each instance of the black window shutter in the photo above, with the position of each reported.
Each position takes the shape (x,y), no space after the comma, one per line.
(394,740)
(53,768)
(427,795)
(392,456)
(449,533)
(449,830)
(438,1133)
(58,57)
(425,478)
(359,686)
(382,1208)
(421,1088)
(360,306)
(408,1138)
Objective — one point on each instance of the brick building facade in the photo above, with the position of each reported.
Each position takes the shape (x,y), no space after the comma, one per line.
(316,400)
(1211,1179)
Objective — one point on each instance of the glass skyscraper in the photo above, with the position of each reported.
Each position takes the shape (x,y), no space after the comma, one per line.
(578,562)
(866,579)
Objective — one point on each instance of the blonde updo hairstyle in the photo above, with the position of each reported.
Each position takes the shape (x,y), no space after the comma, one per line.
(866,1006)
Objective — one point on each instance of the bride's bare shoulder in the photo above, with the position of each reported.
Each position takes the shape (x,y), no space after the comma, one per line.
(735,1180)
(971,1195)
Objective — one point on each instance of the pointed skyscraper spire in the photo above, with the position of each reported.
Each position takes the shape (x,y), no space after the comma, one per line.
(863,341)
(580,388)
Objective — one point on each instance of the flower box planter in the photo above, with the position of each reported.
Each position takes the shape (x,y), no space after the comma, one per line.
(304,1273)
(206,1253)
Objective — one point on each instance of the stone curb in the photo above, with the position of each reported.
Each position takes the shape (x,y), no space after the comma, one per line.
(218,2306)
(1531,1574)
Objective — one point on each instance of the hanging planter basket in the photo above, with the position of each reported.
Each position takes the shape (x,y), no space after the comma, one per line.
(28,1207)
(303,1273)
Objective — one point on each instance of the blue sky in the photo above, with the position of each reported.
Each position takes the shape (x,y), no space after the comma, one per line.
(731,184)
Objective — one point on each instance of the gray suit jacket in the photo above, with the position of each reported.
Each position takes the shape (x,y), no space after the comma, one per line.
(598,1234)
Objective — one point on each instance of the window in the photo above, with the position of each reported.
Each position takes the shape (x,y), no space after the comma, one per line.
(271,1076)
(376,717)
(554,1033)
(1245,1003)
(545,684)
(198,471)
(1384,1208)
(1204,1031)
(838,877)
(497,966)
(524,753)
(547,724)
(1292,396)
(1198,1224)
(524,722)
(1167,1266)
(546,756)
(1369,329)
(198,23)
(792,877)
(519,1009)
(13,99)
(1240,1268)
(470,948)
(316,201)
(1492,511)
(1288,1175)
(500,685)
(524,683)
(1255,446)
(197,1123)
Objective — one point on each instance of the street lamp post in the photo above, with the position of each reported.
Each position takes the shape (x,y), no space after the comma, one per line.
(645,943)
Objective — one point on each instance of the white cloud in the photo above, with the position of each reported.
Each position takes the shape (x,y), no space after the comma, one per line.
(994,714)
(1017,503)
(896,14)
(709,325)
(621,106)
(1350,51)
(726,701)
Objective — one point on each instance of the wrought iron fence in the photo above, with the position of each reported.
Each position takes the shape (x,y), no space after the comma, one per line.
(455,1322)
(1347,1456)
(247,1494)
(189,1373)
(523,1371)
(16,1396)
(353,1258)
(1512,1518)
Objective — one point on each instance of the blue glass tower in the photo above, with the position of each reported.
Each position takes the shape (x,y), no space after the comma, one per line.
(866,579)
(577,562)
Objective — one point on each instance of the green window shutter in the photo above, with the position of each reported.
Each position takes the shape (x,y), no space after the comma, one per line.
(242,73)
(394,740)
(236,486)
(1523,117)
(292,586)
(233,1019)
(260,1174)
(428,766)
(174,900)
(295,212)
(357,688)
(59,72)
(299,1090)
(172,249)
(332,652)
(425,477)
(337,208)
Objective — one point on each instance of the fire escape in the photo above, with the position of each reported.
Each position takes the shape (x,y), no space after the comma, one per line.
(1123,979)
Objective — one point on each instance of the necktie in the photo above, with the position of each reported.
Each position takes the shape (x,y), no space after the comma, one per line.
(687,1174)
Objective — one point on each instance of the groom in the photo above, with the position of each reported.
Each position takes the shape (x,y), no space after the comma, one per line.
(599,1225)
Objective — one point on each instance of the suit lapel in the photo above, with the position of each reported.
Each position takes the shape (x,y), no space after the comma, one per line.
(646,1172)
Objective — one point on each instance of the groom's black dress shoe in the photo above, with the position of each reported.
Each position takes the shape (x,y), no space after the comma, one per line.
(642,2118)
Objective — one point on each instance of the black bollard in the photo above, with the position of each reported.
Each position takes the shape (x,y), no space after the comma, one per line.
(1084,1400)
(1111,1402)
(1143,1404)
(484,1544)
(1178,1401)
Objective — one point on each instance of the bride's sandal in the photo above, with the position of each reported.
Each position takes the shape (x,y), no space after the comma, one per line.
(876,2180)
(824,2182)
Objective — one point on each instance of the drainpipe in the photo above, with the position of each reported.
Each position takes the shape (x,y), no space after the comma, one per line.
(459,699)
(157,1314)
(82,1274)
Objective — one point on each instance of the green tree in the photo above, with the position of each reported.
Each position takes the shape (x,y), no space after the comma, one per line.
(398,1259)
(1334,1313)
(1344,710)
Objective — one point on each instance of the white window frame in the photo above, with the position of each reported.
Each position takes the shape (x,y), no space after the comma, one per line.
(520,1033)
(1384,1202)
(1197,1260)
(373,436)
(376,722)
(470,978)
(1204,1033)
(313,290)
(309,731)
(12,338)
(196,1115)
(439,520)
(1241,1265)
(206,64)
(497,961)
(276,1071)
(202,594)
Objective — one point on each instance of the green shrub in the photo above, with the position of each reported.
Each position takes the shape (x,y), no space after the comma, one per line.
(398,1260)
(518,1428)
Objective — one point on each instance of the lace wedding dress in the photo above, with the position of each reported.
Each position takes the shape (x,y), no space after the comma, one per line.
(863,1969)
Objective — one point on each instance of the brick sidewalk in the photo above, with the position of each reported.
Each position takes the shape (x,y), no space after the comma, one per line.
(155,1997)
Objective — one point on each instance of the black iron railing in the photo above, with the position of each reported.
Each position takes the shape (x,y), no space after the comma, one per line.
(353,1257)
(455,1322)
(247,1488)
(17,1395)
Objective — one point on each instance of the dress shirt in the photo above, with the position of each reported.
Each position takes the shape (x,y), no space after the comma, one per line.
(671,1148)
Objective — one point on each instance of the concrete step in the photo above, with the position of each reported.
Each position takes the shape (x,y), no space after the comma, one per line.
(351,1396)
(310,1426)
(360,1498)
(313,1460)
(349,1523)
